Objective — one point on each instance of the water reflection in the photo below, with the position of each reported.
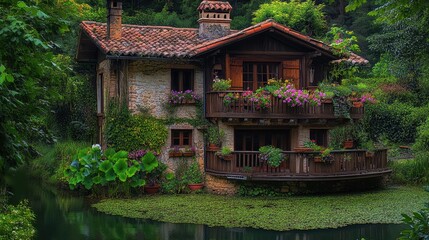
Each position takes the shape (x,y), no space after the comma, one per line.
(61,216)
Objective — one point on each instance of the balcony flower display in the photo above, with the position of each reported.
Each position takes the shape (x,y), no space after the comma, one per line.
(180,97)
(230,98)
(297,97)
(260,99)
(367,98)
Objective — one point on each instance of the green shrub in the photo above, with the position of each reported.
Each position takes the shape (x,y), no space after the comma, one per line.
(397,122)
(177,182)
(131,132)
(91,167)
(418,225)
(422,141)
(412,171)
(16,222)
(193,173)
(272,155)
(54,159)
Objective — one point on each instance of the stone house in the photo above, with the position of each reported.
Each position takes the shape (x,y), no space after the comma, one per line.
(143,64)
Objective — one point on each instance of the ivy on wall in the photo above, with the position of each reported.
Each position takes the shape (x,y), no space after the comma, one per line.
(129,132)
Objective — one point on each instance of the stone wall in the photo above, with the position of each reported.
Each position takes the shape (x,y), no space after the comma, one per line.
(219,185)
(149,85)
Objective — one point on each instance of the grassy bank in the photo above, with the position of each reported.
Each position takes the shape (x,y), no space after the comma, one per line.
(305,212)
(53,160)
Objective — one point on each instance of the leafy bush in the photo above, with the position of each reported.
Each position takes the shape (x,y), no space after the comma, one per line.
(131,132)
(92,167)
(193,173)
(422,141)
(306,17)
(177,182)
(397,122)
(418,225)
(16,222)
(54,159)
(272,155)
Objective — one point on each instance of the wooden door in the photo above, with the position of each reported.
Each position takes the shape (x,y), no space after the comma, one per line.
(291,71)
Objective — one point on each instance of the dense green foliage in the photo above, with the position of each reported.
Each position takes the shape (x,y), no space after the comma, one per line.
(418,225)
(16,222)
(272,155)
(54,159)
(306,17)
(270,213)
(132,132)
(92,167)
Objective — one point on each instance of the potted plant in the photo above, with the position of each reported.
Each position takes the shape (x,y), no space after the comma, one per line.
(348,144)
(194,177)
(189,152)
(215,137)
(225,154)
(221,85)
(175,152)
(229,99)
(153,177)
(326,155)
(309,146)
(273,156)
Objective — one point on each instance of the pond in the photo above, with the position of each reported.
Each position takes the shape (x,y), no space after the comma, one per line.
(61,216)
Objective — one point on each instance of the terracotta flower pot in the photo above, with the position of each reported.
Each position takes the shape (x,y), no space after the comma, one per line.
(348,144)
(302,149)
(152,189)
(175,154)
(357,104)
(213,147)
(189,154)
(196,186)
(317,159)
(228,157)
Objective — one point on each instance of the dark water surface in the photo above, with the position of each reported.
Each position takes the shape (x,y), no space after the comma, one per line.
(63,217)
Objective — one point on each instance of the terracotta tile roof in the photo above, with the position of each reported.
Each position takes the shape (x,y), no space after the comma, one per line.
(213,5)
(145,41)
(170,42)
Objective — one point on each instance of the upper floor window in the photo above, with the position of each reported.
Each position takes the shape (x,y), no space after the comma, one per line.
(181,138)
(182,79)
(256,75)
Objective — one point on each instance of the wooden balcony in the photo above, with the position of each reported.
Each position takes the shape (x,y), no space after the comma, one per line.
(346,165)
(241,108)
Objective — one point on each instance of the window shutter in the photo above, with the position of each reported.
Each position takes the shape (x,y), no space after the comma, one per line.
(236,74)
(291,71)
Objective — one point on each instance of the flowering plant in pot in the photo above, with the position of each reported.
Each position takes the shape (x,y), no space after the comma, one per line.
(193,176)
(189,151)
(220,85)
(273,156)
(175,152)
(225,153)
(179,97)
(260,99)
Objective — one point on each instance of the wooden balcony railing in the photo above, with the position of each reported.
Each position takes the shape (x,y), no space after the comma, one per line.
(345,164)
(241,108)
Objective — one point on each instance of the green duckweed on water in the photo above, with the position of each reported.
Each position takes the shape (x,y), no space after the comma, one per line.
(286,213)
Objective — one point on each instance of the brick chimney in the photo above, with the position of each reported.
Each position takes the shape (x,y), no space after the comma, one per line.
(214,19)
(114,19)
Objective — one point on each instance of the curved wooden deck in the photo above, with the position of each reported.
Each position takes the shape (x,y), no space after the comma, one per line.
(346,165)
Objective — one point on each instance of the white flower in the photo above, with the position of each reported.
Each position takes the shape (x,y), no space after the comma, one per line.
(96,146)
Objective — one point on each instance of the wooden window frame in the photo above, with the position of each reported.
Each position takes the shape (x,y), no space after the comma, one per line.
(181,82)
(182,137)
(255,73)
(100,94)
(324,138)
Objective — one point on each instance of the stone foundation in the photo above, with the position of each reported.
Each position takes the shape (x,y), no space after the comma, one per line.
(220,186)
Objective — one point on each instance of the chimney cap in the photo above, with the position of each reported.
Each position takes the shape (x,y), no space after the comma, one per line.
(214,6)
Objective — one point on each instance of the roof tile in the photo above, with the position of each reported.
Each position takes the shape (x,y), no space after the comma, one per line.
(170,42)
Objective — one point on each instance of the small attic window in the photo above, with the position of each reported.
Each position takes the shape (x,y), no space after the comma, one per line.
(114,4)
